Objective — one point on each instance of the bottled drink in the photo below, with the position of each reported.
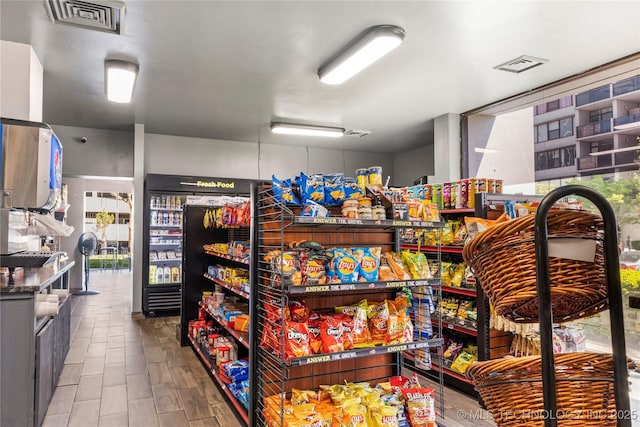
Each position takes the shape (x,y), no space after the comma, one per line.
(153,202)
(165,218)
(167,202)
(154,218)
(170,221)
(166,274)
(160,276)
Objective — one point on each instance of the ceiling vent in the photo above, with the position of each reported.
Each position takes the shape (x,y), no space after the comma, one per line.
(520,64)
(356,133)
(100,15)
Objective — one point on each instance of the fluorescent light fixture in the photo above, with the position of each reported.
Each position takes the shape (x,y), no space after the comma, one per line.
(306,130)
(615,150)
(364,50)
(120,79)
(485,150)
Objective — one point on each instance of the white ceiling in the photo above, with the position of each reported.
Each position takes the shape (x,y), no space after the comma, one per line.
(224,70)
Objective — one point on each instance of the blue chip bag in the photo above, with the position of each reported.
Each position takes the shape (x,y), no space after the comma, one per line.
(351,188)
(333,189)
(369,262)
(283,191)
(314,209)
(311,187)
(346,266)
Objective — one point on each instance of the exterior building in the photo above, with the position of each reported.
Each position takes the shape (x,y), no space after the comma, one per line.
(592,133)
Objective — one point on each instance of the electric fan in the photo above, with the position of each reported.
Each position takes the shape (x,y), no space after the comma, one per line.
(87,245)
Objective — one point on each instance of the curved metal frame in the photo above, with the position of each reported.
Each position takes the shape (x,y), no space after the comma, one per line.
(621,375)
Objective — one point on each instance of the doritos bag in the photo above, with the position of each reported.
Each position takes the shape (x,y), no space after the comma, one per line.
(296,342)
(332,334)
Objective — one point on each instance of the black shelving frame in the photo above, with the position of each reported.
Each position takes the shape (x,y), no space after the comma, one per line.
(269,371)
(621,375)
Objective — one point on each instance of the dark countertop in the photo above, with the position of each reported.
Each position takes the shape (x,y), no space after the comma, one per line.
(33,280)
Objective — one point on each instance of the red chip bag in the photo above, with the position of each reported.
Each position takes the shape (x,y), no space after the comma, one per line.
(313,324)
(298,310)
(269,339)
(332,334)
(274,313)
(296,340)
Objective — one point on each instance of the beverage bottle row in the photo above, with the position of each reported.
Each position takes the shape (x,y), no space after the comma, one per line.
(163,274)
(166,218)
(166,202)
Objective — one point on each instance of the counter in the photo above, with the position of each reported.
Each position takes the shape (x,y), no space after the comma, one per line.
(32,280)
(33,349)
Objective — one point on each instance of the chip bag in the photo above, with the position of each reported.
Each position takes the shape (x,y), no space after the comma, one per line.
(462,362)
(313,267)
(333,189)
(311,187)
(353,416)
(283,191)
(369,259)
(315,341)
(395,263)
(383,416)
(331,334)
(346,266)
(420,406)
(296,343)
(352,189)
(417,265)
(378,314)
(299,310)
(347,328)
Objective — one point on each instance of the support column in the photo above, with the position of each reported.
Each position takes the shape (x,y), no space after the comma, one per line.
(21,76)
(138,200)
(447,148)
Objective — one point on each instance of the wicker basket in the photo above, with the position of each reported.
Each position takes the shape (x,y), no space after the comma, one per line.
(512,390)
(504,261)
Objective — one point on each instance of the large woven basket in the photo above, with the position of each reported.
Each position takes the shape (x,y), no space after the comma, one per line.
(504,261)
(512,390)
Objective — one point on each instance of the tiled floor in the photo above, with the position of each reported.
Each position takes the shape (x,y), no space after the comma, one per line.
(130,371)
(123,371)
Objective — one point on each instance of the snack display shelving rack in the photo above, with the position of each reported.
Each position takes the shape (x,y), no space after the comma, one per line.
(272,374)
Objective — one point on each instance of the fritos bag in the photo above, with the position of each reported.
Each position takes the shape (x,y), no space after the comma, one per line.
(378,314)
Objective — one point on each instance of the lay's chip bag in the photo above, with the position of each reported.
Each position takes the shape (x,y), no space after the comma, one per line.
(369,260)
(346,267)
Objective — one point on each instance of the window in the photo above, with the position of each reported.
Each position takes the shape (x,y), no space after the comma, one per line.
(554,130)
(556,104)
(557,158)
(600,115)
(553,105)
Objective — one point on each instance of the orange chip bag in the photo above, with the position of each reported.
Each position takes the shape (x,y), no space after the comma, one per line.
(347,328)
(331,334)
(378,314)
(395,263)
(361,333)
(296,343)
(420,406)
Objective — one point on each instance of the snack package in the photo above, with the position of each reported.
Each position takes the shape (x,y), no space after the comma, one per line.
(296,342)
(313,268)
(298,310)
(286,267)
(420,403)
(353,416)
(383,416)
(477,225)
(331,334)
(333,189)
(311,187)
(360,332)
(314,209)
(430,211)
(395,263)
(445,273)
(352,189)
(283,191)
(378,314)
(369,259)
(347,330)
(313,325)
(462,362)
(346,266)
(457,277)
(417,265)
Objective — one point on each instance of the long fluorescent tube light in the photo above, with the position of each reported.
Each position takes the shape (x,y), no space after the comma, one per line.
(361,52)
(615,150)
(306,130)
(120,80)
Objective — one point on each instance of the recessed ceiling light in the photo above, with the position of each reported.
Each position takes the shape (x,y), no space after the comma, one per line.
(521,63)
(306,130)
(120,80)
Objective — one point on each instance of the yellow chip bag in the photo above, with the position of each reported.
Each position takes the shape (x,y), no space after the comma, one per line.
(383,416)
(354,416)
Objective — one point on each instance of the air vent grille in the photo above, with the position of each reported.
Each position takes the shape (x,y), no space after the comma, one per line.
(520,64)
(356,133)
(100,15)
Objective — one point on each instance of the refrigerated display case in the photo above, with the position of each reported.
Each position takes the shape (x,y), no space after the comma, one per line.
(164,200)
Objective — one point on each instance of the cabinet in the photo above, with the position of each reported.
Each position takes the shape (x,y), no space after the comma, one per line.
(200,259)
(276,368)
(491,343)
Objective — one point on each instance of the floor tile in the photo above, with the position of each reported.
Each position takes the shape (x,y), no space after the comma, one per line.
(138,386)
(166,398)
(114,400)
(89,388)
(159,373)
(194,403)
(142,412)
(173,419)
(116,420)
(114,375)
(58,420)
(62,400)
(85,414)
(70,374)
(93,365)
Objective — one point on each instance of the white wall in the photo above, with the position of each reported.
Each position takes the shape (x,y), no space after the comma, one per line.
(106,152)
(175,155)
(413,164)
